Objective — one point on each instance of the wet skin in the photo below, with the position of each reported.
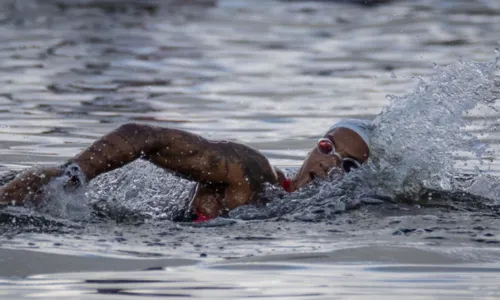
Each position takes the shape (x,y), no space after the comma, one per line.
(317,165)
(228,174)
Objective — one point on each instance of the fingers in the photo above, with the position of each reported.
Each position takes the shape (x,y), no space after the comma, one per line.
(75,176)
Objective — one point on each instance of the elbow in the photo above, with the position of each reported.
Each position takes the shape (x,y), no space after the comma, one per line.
(131,127)
(136,130)
(142,138)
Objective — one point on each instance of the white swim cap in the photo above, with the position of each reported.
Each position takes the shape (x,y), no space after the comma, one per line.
(361,127)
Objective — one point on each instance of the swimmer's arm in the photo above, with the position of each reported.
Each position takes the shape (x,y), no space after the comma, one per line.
(114,150)
(28,183)
(182,152)
(179,151)
(221,167)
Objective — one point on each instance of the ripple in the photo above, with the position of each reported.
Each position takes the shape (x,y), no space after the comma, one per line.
(273,75)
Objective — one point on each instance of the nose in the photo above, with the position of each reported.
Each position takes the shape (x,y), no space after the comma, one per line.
(316,165)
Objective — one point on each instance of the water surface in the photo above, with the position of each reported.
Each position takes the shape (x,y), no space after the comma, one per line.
(274,75)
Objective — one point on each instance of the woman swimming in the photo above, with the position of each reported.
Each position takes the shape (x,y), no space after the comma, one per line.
(228,174)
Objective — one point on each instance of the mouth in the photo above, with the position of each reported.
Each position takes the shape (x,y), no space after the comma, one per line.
(312,175)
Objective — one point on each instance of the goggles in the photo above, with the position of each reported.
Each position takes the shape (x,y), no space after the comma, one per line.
(326,147)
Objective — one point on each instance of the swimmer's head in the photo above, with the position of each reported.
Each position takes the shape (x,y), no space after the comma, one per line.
(344,147)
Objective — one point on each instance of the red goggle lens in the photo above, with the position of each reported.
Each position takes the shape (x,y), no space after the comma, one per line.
(325,146)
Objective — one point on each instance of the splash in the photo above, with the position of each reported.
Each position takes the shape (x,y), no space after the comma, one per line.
(140,190)
(62,203)
(415,142)
(417,136)
(134,193)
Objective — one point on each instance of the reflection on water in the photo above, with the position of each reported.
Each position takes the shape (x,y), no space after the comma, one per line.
(275,75)
(269,280)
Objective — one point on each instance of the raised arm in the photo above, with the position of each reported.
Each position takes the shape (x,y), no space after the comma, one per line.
(184,153)
(234,172)
(131,141)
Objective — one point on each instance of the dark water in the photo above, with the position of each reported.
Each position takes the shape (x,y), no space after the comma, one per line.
(274,75)
(261,280)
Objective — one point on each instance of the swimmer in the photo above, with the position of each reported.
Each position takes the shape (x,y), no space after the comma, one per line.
(228,174)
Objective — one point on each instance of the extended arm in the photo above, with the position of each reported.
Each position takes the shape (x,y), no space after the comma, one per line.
(173,149)
(237,170)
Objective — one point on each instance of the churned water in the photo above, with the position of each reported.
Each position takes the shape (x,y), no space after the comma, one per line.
(420,220)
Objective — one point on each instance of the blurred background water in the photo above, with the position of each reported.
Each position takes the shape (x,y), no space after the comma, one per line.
(274,75)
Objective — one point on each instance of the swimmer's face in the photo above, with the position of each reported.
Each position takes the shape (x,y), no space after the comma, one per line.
(317,165)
